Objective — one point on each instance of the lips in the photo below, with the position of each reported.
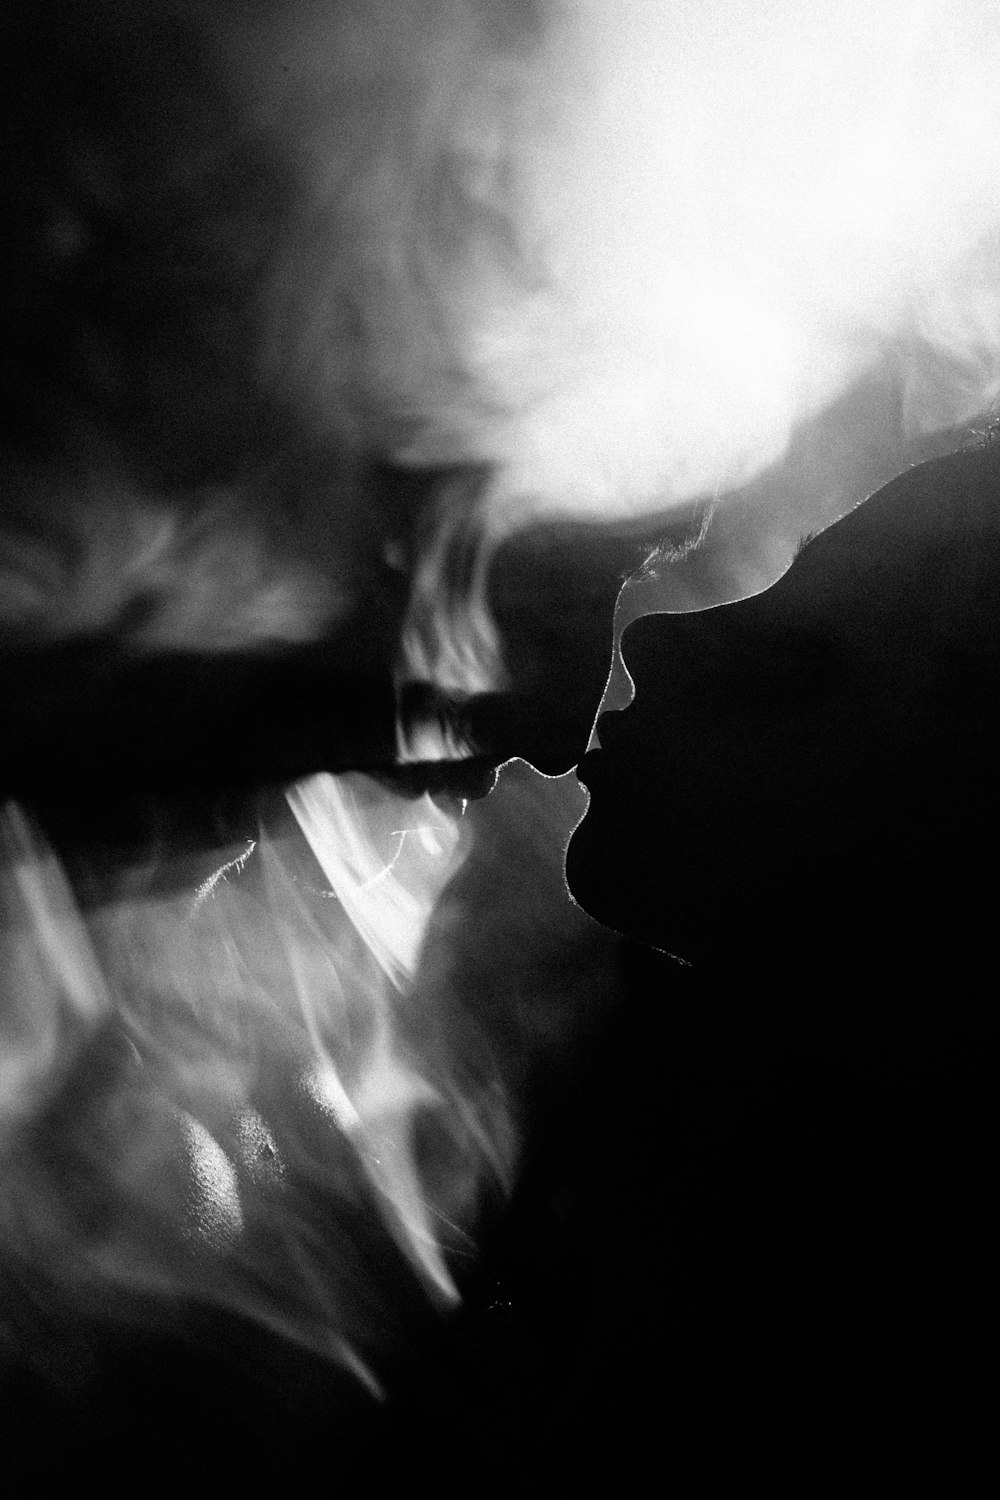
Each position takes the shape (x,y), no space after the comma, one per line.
(85,721)
(588,768)
(92,719)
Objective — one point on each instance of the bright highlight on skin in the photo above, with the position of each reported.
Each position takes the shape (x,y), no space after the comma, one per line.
(727,218)
(608,274)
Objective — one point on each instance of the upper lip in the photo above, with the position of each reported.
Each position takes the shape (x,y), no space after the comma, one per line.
(467,779)
(586,767)
(498,726)
(84,716)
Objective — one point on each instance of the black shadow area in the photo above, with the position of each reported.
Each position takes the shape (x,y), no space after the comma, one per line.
(801,803)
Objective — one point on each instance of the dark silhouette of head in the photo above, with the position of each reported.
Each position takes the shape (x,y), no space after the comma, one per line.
(803,795)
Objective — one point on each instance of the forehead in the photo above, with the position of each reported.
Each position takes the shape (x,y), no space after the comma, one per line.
(884,631)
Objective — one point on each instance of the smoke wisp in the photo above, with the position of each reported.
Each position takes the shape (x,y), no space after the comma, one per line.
(310,308)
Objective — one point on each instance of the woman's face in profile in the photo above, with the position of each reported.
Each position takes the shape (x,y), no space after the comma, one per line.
(273,270)
(715,784)
(804,764)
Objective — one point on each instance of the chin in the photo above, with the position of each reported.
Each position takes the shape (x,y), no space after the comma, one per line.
(320,488)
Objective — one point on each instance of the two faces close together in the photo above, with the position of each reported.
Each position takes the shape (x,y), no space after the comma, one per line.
(354,362)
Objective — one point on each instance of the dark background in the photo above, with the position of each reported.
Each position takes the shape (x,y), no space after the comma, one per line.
(753,1233)
(753,1230)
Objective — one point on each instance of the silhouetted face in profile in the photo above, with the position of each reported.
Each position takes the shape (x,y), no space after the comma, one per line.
(803,794)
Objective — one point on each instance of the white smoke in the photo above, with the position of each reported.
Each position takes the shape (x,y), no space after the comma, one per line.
(620,254)
(610,259)
(598,261)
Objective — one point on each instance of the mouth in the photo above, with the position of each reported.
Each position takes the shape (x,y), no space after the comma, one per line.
(491,728)
(88,724)
(455,780)
(589,769)
(93,720)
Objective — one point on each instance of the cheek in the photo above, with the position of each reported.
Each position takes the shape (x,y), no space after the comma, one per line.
(695,822)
